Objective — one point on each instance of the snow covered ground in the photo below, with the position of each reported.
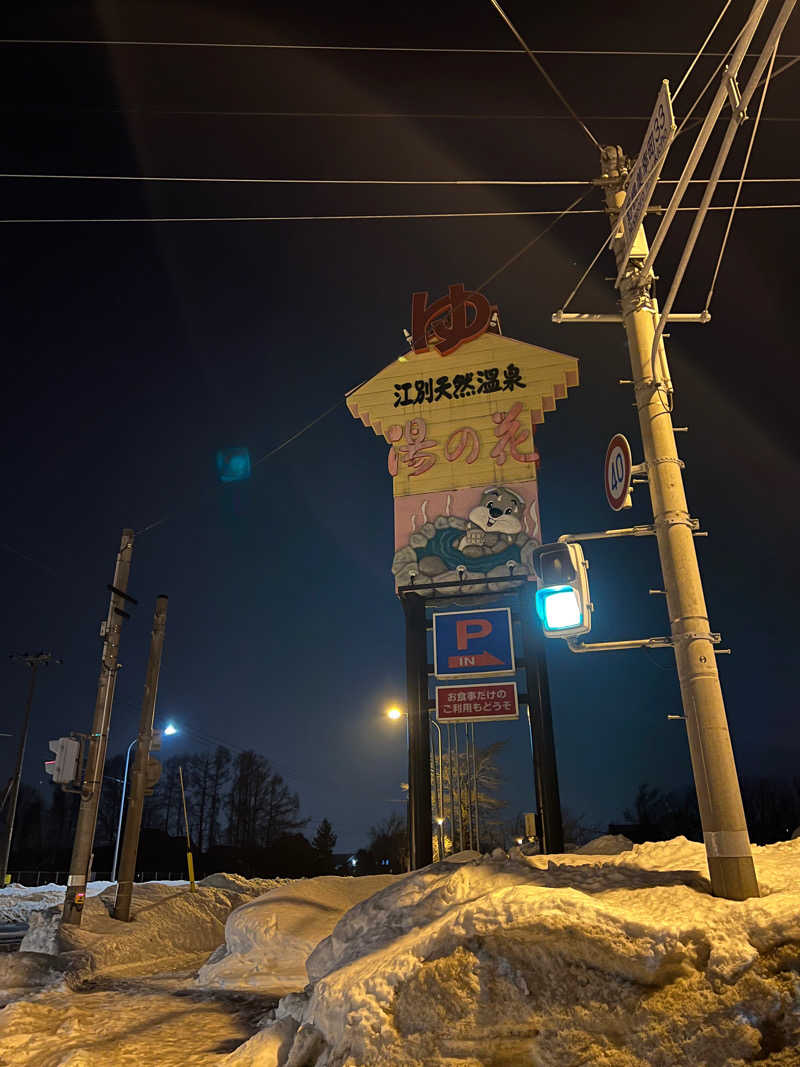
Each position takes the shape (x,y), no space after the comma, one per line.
(109,993)
(620,960)
(18,901)
(612,956)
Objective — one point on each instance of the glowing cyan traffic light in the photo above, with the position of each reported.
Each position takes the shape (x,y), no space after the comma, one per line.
(562,599)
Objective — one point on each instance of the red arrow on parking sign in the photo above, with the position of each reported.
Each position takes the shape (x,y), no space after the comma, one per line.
(484,659)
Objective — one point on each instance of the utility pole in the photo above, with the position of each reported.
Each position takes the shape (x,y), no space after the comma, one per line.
(92,786)
(34,661)
(727,842)
(133,822)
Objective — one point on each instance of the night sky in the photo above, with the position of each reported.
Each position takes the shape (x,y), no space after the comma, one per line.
(134,351)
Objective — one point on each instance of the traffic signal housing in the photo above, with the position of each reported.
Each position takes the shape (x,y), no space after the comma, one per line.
(64,768)
(562,599)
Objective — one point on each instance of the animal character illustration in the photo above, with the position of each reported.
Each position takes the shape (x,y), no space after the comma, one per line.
(493,523)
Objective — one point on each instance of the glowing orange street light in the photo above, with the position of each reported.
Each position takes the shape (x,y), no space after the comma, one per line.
(394,713)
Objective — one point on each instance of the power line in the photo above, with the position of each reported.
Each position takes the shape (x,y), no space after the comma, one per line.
(653,209)
(533,241)
(292,181)
(495,4)
(700,51)
(517,182)
(374,115)
(742,179)
(363,48)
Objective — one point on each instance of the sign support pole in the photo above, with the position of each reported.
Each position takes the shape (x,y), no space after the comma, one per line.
(83,844)
(133,821)
(548,798)
(727,842)
(420,821)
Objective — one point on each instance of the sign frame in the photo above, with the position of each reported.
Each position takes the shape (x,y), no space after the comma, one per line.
(618,452)
(645,172)
(508,667)
(479,718)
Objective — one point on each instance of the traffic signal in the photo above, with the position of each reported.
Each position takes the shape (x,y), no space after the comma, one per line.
(64,768)
(562,599)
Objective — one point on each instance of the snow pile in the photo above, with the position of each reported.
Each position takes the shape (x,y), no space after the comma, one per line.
(18,901)
(169,923)
(268,940)
(239,884)
(616,959)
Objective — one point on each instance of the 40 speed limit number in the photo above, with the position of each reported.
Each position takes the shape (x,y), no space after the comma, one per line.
(617,472)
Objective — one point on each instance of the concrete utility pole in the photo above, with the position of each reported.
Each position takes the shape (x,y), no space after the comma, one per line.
(34,661)
(133,822)
(98,739)
(727,842)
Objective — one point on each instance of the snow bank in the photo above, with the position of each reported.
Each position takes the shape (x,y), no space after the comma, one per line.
(619,959)
(171,928)
(169,924)
(268,940)
(18,901)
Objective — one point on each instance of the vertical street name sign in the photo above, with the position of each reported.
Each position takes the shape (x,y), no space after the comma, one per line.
(645,172)
(469,644)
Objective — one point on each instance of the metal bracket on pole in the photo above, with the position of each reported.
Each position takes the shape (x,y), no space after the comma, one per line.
(630,531)
(696,635)
(735,98)
(678,318)
(575,645)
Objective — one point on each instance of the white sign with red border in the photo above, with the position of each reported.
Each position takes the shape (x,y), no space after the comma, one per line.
(617,472)
(483,702)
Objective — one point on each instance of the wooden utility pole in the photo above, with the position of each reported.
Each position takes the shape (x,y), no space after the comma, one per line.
(133,821)
(727,842)
(98,739)
(34,661)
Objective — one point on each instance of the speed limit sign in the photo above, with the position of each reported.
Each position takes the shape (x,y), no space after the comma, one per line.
(617,472)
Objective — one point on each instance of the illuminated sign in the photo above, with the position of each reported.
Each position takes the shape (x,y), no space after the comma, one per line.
(458,416)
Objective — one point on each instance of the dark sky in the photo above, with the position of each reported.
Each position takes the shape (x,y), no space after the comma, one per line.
(133,351)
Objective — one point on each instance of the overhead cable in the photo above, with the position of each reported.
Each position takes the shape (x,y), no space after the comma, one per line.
(545,75)
(653,209)
(701,49)
(383,116)
(533,241)
(742,179)
(767,55)
(358,48)
(304,429)
(517,182)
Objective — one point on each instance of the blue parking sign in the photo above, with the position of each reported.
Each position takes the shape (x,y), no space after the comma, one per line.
(473,644)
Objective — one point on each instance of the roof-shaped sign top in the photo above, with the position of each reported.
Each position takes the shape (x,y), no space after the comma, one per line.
(473,411)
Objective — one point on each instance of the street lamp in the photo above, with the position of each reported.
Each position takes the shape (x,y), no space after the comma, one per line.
(396,713)
(169,731)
